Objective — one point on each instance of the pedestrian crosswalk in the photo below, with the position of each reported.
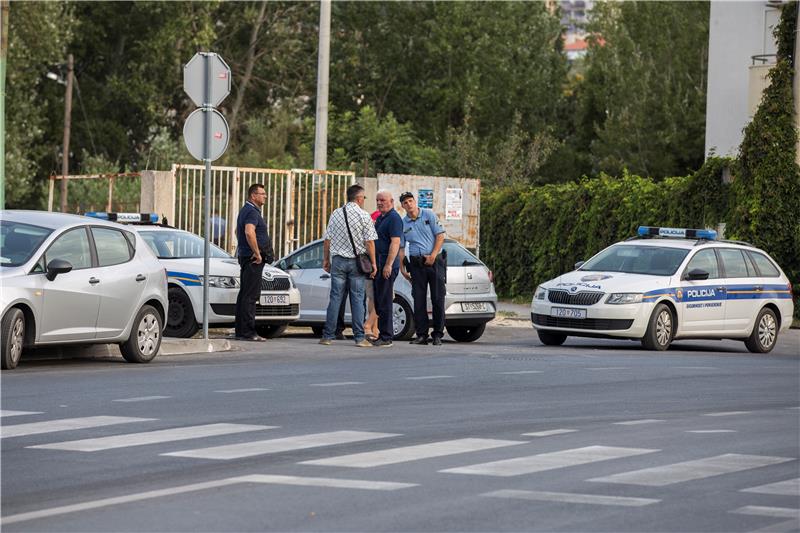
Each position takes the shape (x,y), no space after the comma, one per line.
(513,459)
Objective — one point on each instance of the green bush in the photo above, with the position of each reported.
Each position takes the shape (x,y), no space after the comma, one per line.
(529,235)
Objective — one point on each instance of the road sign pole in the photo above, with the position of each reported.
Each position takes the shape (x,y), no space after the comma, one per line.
(207,192)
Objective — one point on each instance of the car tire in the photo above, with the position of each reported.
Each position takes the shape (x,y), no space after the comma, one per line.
(271,331)
(145,338)
(317,330)
(12,333)
(402,319)
(181,321)
(466,333)
(660,329)
(765,332)
(551,338)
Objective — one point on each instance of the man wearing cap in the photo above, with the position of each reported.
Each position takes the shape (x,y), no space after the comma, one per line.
(426,267)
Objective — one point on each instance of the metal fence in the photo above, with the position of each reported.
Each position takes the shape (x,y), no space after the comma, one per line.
(299,202)
(96,192)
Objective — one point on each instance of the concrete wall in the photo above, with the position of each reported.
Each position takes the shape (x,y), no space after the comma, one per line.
(737,31)
(158,194)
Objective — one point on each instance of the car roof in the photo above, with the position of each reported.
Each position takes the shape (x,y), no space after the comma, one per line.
(52,220)
(685,243)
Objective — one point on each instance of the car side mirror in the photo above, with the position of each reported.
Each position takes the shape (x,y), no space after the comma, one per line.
(696,274)
(56,267)
(579,264)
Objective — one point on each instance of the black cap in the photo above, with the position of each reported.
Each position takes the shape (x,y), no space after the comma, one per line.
(405,196)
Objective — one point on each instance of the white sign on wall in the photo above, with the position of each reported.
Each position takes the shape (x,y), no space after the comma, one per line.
(454,204)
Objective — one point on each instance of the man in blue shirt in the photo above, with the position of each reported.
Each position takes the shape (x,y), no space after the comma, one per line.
(389,226)
(426,267)
(253,250)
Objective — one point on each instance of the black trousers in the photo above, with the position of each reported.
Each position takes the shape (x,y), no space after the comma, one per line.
(422,277)
(384,295)
(249,292)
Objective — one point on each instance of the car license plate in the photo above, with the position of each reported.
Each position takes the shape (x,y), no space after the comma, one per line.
(471,307)
(567,312)
(274,299)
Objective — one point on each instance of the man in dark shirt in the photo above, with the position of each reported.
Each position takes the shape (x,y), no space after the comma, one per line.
(254,249)
(389,226)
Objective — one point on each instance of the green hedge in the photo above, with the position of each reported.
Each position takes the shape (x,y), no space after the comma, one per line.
(529,235)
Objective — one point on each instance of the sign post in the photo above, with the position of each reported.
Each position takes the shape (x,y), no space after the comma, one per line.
(207,81)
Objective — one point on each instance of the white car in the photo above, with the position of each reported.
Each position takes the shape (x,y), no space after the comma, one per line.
(470,301)
(666,284)
(68,279)
(181,253)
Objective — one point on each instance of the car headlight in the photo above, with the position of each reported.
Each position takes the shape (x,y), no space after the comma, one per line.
(540,293)
(222,282)
(624,298)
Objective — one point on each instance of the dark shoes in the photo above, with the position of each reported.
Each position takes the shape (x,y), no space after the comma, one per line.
(419,340)
(382,343)
(437,341)
(340,337)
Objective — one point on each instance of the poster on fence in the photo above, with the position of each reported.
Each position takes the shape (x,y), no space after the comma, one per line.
(425,198)
(454,204)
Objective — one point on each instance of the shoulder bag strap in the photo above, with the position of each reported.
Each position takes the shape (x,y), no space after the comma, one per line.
(346,223)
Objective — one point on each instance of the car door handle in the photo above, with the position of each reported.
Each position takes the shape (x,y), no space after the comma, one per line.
(721,289)
(94,281)
(141,277)
(325,276)
(758,288)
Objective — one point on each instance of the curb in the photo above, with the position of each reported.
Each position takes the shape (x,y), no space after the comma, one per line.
(169,346)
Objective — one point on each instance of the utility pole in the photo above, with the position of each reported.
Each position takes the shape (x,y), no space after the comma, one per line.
(323,64)
(67,121)
(4,11)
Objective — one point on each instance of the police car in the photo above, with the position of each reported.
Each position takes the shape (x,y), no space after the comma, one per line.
(667,284)
(181,253)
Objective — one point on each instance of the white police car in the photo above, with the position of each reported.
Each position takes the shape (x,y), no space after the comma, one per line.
(666,284)
(181,253)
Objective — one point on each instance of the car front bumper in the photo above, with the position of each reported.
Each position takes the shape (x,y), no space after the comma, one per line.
(626,320)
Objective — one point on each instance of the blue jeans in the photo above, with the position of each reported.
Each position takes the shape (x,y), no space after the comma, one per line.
(344,270)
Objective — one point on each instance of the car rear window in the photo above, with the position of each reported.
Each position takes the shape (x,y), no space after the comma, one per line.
(458,256)
(765,267)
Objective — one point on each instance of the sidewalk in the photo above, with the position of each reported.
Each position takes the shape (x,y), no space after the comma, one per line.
(513,311)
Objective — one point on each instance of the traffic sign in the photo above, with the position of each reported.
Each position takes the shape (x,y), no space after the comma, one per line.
(195,138)
(194,79)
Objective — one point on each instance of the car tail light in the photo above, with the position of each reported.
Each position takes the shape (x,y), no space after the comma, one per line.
(491,277)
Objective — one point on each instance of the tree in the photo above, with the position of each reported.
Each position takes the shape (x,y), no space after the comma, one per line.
(38,37)
(643,100)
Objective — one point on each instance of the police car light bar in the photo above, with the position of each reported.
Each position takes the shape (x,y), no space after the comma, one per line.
(677,233)
(147,218)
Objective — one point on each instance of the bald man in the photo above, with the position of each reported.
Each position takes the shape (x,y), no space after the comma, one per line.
(389,227)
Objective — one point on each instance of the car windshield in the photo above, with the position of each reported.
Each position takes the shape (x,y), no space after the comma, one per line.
(18,242)
(178,245)
(458,256)
(634,259)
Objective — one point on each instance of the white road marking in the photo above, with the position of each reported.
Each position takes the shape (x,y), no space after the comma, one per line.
(6,412)
(549,432)
(637,422)
(326,482)
(521,372)
(412,453)
(150,437)
(428,377)
(233,391)
(793,407)
(728,413)
(789,487)
(66,424)
(660,476)
(567,497)
(548,461)
(774,512)
(337,384)
(182,489)
(142,399)
(702,431)
(696,367)
(609,368)
(263,447)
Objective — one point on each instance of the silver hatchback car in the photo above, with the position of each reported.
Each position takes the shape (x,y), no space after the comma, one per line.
(469,304)
(68,279)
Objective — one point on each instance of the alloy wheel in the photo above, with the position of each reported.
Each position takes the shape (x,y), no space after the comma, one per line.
(17,339)
(767,330)
(663,328)
(147,334)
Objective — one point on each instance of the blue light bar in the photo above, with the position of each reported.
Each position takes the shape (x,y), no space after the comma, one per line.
(677,233)
(141,218)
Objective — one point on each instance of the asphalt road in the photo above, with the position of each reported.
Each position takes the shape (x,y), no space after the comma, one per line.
(500,435)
